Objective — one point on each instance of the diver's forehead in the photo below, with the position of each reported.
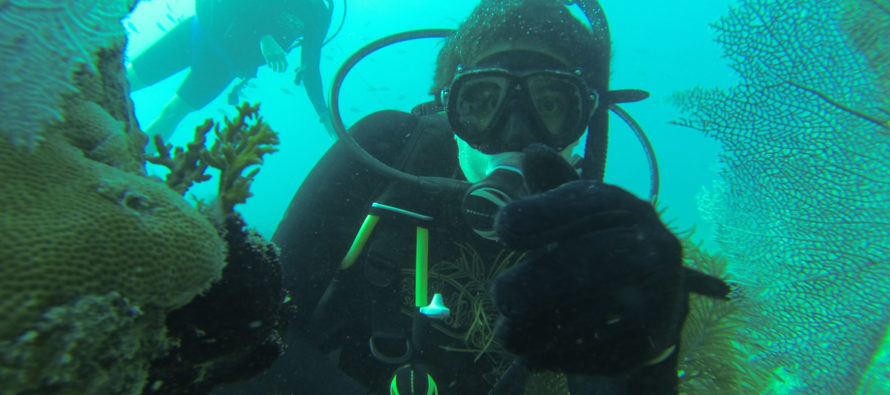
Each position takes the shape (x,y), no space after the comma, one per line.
(522,58)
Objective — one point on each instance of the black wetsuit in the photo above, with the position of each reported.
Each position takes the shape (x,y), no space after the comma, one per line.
(376,293)
(339,311)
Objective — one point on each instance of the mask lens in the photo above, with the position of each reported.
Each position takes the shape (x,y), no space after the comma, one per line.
(558,102)
(475,102)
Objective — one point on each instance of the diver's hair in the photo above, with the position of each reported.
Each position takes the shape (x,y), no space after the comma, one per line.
(537,22)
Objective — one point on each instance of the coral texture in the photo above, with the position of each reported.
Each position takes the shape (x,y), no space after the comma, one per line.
(234,330)
(802,209)
(711,360)
(94,345)
(185,164)
(242,143)
(42,43)
(100,137)
(93,254)
(867,24)
(73,227)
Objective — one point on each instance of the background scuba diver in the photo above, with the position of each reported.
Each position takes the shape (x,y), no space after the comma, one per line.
(228,39)
(597,289)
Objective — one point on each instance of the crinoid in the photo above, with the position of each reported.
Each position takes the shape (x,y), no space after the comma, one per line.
(464,283)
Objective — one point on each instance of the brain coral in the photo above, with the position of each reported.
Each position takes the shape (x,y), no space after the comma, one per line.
(93,255)
(72,228)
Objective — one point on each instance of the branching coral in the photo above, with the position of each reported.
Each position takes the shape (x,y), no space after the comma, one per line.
(186,167)
(802,209)
(242,143)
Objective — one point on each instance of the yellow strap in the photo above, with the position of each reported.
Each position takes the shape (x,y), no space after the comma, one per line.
(661,357)
(421,277)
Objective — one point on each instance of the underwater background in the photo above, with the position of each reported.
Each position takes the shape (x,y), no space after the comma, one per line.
(770,120)
(819,330)
(667,48)
(822,329)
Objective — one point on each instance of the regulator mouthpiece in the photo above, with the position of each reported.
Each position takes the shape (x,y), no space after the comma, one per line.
(504,183)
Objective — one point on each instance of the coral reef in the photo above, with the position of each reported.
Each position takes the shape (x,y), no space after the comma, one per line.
(711,360)
(96,344)
(101,138)
(98,263)
(801,211)
(233,331)
(867,26)
(242,143)
(42,44)
(74,228)
(186,166)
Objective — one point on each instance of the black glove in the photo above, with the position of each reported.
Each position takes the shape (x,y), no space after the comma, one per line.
(601,290)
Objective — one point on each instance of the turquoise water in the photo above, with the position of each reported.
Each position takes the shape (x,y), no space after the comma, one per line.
(665,49)
(804,225)
(798,204)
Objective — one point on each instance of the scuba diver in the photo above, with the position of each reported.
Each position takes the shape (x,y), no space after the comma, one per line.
(228,39)
(537,266)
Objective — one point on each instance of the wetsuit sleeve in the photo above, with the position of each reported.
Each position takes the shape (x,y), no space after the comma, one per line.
(317,22)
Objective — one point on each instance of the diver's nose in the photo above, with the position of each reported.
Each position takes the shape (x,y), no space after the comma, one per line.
(518,130)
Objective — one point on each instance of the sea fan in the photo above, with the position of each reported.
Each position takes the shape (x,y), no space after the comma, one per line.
(712,360)
(803,208)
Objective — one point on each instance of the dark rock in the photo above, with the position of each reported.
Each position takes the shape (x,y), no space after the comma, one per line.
(234,330)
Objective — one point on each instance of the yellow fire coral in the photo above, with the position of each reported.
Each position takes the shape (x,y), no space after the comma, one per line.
(73,230)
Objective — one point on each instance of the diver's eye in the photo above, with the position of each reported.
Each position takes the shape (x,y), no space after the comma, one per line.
(480,99)
(484,103)
(549,105)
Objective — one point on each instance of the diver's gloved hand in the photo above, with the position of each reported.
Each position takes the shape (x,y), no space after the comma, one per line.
(601,290)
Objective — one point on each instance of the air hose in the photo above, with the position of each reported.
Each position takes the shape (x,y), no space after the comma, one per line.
(444,184)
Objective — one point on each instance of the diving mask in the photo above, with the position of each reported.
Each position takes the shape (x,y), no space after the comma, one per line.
(478,102)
